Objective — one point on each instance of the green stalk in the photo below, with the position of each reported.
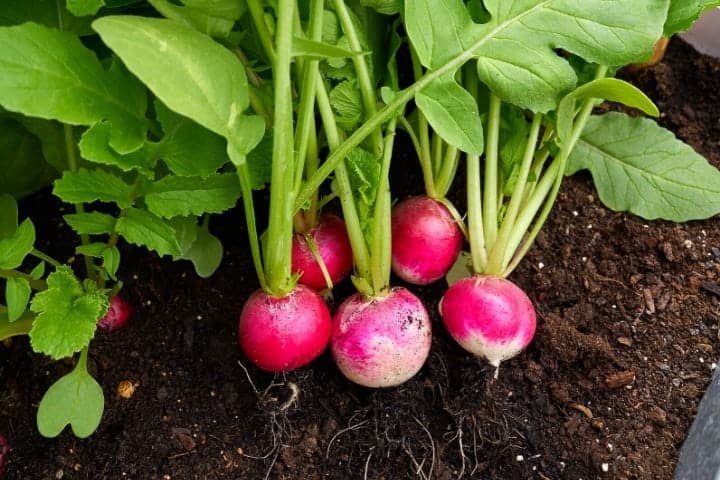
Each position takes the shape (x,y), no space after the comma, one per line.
(424,155)
(496,263)
(554,173)
(249,209)
(278,250)
(447,172)
(476,235)
(258,15)
(490,184)
(367,89)
(22,326)
(34,284)
(45,257)
(381,250)
(361,255)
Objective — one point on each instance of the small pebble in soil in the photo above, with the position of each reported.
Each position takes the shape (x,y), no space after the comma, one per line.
(605,467)
(519,458)
(126,389)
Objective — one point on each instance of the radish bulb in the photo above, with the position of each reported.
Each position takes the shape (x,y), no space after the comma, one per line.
(333,247)
(489,317)
(426,240)
(117,316)
(382,341)
(279,334)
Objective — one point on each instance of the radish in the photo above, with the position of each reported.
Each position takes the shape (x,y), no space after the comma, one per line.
(382,341)
(4,450)
(117,316)
(489,317)
(333,247)
(426,240)
(281,333)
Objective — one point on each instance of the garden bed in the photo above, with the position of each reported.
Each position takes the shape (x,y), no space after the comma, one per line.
(627,340)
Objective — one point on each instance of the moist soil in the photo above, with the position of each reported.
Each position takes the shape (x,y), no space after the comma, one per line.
(628,314)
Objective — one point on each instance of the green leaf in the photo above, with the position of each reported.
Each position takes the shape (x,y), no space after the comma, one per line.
(187,148)
(642,168)
(364,172)
(516,49)
(173,60)
(386,7)
(259,162)
(66,315)
(14,249)
(90,185)
(302,47)
(683,13)
(82,8)
(51,135)
(173,195)
(110,255)
(612,89)
(211,17)
(95,147)
(22,167)
(347,104)
(91,223)
(17,294)
(38,272)
(51,13)
(76,400)
(452,113)
(198,245)
(49,74)
(8,216)
(143,228)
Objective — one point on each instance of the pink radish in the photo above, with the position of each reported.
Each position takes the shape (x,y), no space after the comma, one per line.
(333,246)
(489,317)
(117,316)
(382,341)
(279,334)
(426,240)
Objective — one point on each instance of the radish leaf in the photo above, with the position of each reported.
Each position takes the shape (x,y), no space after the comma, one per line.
(91,223)
(642,168)
(91,185)
(173,196)
(17,294)
(144,228)
(683,13)
(14,249)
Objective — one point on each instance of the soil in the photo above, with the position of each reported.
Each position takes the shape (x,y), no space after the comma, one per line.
(626,344)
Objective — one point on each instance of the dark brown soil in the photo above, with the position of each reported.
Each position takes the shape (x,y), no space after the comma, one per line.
(628,336)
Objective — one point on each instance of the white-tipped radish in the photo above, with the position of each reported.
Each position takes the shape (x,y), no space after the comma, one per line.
(426,240)
(331,241)
(279,334)
(383,341)
(489,317)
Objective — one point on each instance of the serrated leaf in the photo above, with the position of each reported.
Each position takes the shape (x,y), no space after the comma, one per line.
(13,250)
(172,60)
(90,185)
(173,196)
(639,167)
(143,228)
(683,13)
(8,216)
(17,294)
(49,74)
(347,104)
(364,173)
(515,50)
(66,315)
(91,223)
(187,148)
(76,400)
(95,147)
(82,8)
(453,114)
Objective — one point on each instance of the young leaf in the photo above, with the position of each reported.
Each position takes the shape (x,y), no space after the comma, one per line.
(76,400)
(683,13)
(95,147)
(188,71)
(173,196)
(91,223)
(14,249)
(187,148)
(110,255)
(66,315)
(347,104)
(90,185)
(17,294)
(205,251)
(642,168)
(215,18)
(516,49)
(310,49)
(83,8)
(143,228)
(453,114)
(38,272)
(49,74)
(8,216)
(364,172)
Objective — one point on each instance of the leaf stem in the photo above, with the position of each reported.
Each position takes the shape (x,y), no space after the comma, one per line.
(43,256)
(35,284)
(258,15)
(22,326)
(249,209)
(476,235)
(490,184)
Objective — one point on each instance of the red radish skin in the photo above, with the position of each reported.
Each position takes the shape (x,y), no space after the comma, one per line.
(333,245)
(426,240)
(280,334)
(381,342)
(117,316)
(488,316)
